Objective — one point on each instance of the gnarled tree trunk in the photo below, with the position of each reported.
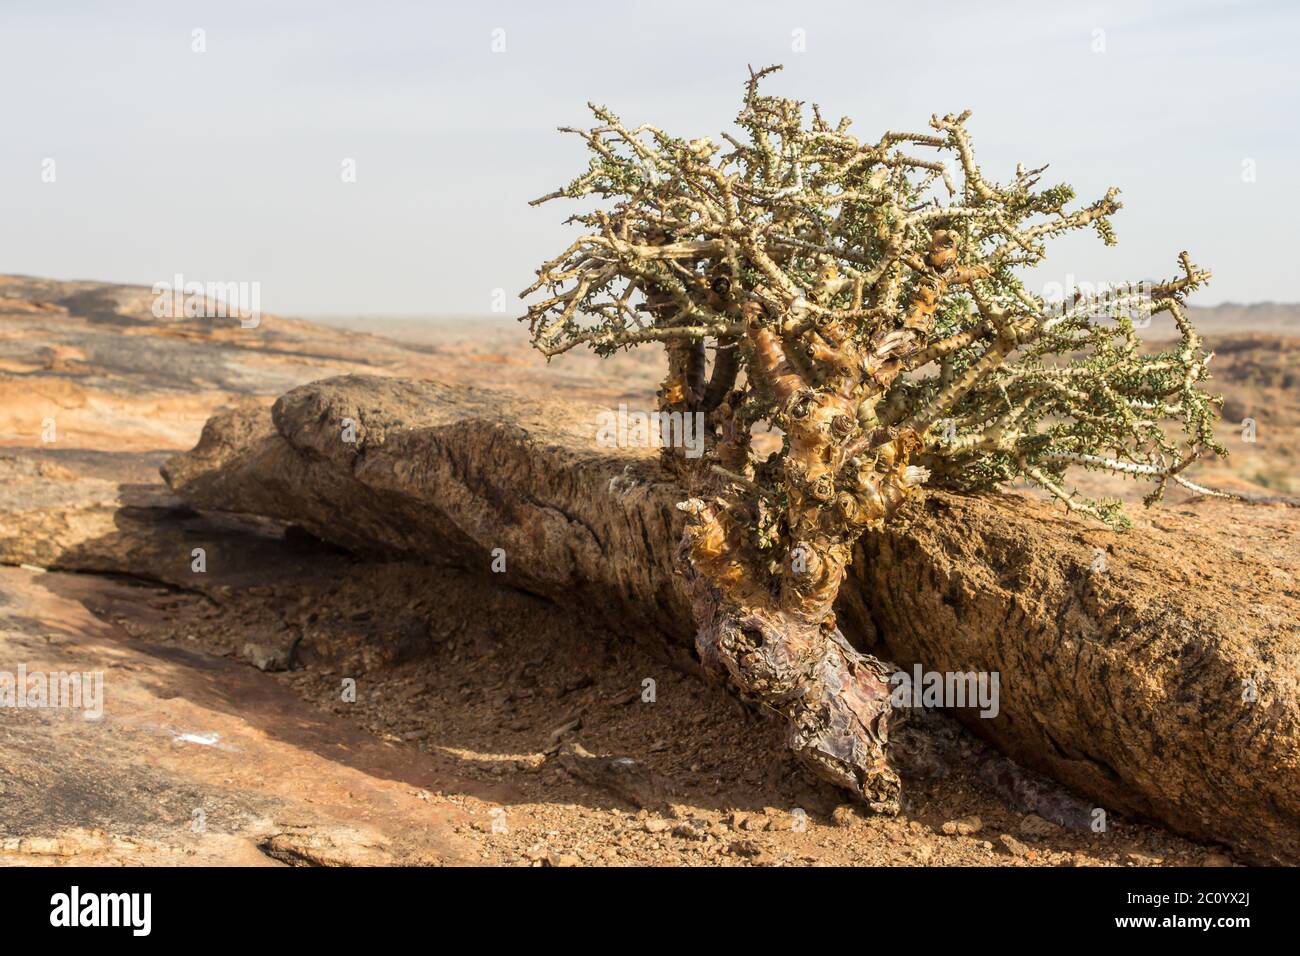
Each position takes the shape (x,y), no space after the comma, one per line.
(834,699)
(768,625)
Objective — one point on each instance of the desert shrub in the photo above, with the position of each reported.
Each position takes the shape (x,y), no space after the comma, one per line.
(866,298)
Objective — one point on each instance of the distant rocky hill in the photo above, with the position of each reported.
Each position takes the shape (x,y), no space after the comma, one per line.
(1255,317)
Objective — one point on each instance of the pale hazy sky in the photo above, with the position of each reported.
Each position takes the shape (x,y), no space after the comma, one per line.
(226,164)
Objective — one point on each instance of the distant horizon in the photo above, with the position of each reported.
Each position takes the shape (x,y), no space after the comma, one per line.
(507,316)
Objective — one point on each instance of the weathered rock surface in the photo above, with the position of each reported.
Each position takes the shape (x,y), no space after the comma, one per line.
(450,474)
(1155,672)
(187,759)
